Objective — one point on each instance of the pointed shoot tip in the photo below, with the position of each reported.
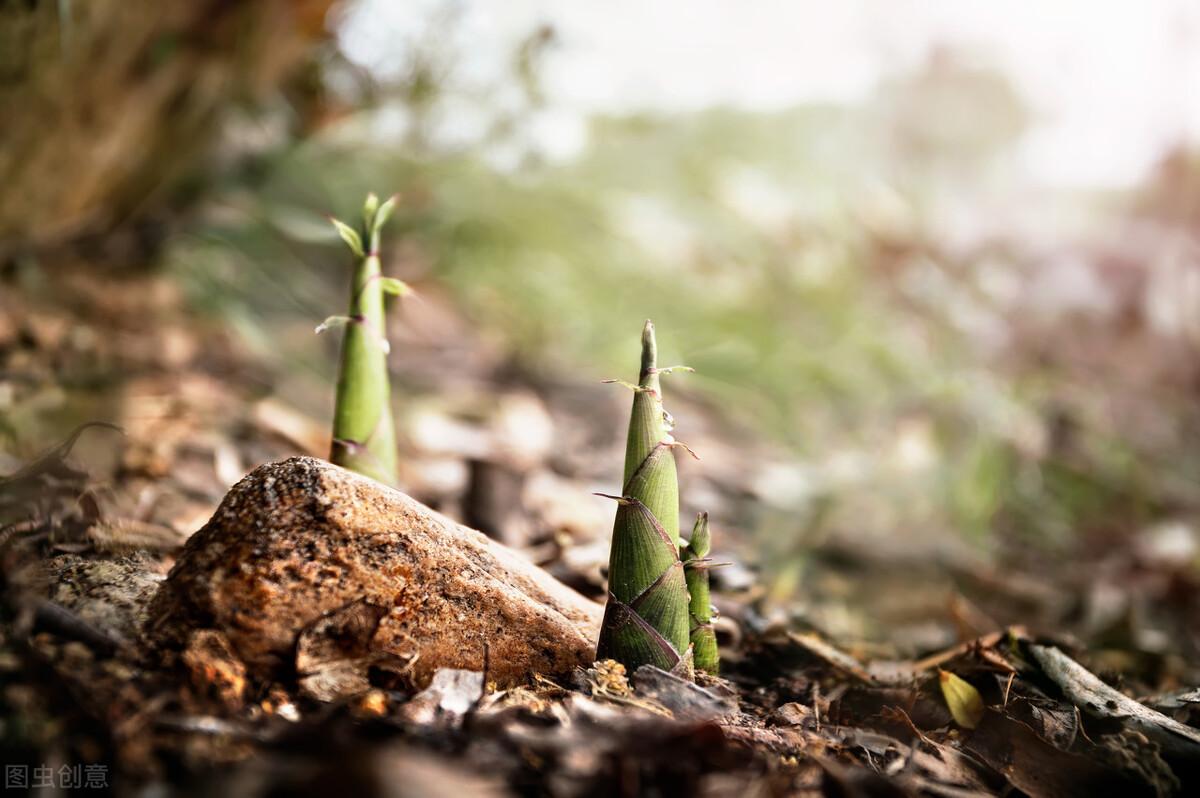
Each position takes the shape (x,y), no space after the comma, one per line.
(649,349)
(701,541)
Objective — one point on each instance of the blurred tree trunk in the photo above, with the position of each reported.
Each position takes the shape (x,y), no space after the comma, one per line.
(109,103)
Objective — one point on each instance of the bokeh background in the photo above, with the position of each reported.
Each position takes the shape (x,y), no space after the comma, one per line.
(937,267)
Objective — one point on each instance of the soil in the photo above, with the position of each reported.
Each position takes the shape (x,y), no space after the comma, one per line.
(984,678)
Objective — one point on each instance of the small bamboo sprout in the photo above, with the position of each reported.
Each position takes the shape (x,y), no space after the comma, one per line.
(696,564)
(646,617)
(364,435)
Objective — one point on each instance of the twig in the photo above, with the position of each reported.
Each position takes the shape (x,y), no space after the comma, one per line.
(49,616)
(1087,692)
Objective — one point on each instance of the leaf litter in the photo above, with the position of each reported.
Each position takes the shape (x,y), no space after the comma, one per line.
(1002,712)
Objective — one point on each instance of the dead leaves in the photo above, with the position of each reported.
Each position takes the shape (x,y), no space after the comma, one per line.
(333,653)
(1000,710)
(1085,690)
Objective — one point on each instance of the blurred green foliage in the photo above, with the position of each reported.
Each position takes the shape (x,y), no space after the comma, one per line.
(796,259)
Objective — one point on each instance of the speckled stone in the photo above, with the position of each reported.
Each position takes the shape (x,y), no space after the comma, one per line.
(109,594)
(301,539)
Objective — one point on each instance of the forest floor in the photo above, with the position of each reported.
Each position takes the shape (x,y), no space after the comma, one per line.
(904,669)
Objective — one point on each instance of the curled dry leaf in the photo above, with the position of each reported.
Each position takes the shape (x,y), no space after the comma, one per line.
(333,653)
(688,702)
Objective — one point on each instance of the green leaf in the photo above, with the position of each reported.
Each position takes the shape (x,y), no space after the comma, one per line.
(391,285)
(370,208)
(349,235)
(384,213)
(962,699)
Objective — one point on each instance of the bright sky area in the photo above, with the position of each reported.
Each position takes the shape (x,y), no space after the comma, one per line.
(1111,82)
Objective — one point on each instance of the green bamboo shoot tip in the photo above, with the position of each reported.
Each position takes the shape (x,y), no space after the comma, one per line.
(364,437)
(700,611)
(646,617)
(649,353)
(370,206)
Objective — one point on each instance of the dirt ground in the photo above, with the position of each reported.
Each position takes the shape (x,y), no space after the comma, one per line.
(905,670)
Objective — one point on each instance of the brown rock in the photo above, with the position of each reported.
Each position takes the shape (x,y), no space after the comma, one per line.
(214,668)
(108,594)
(302,548)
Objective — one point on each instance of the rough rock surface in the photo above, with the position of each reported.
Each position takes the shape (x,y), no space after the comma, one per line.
(301,548)
(109,594)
